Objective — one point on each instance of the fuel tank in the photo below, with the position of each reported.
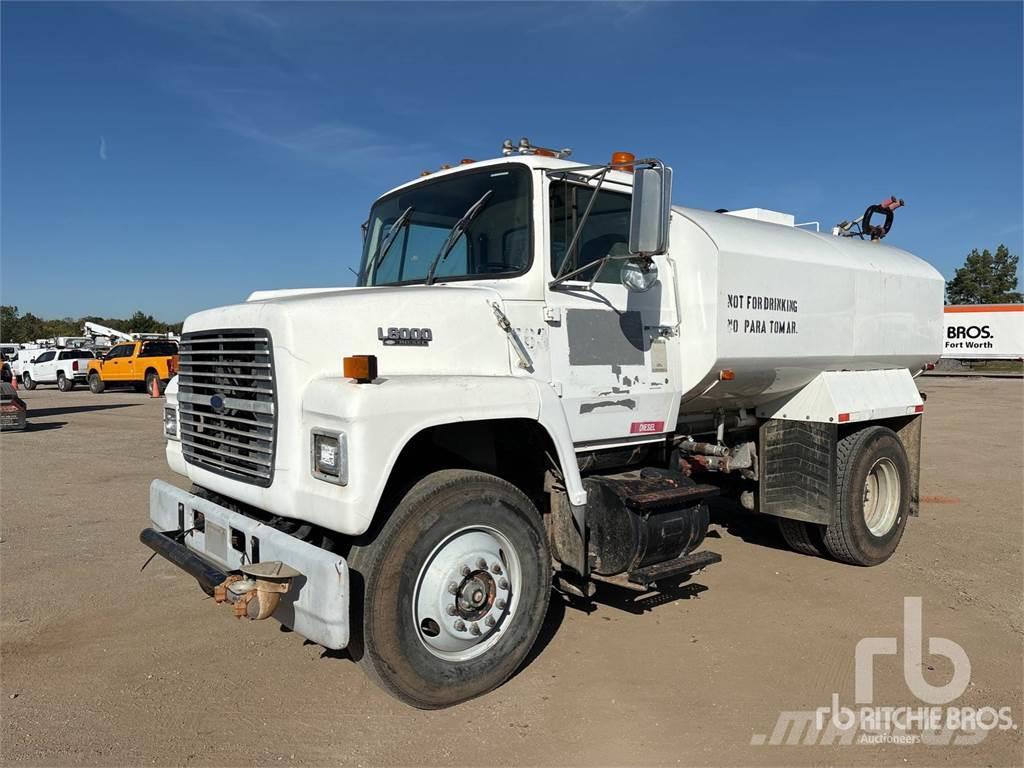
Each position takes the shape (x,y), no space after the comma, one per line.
(776,305)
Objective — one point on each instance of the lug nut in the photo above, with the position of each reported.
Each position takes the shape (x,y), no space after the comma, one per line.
(503,583)
(453,588)
(474,630)
(481,564)
(496,569)
(465,570)
(460,626)
(500,604)
(451,610)
(489,621)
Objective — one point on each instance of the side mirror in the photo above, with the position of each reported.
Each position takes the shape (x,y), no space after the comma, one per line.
(651,209)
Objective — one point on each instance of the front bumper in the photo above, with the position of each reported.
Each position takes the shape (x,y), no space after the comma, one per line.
(317,604)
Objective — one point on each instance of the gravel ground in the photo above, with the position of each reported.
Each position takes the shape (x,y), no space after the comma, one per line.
(104,665)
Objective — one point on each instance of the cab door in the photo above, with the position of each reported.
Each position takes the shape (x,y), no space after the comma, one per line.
(117,363)
(610,346)
(44,370)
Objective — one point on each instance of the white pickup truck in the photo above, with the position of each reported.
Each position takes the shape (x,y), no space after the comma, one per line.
(63,367)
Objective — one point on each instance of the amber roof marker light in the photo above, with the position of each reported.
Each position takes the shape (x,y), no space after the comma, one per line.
(623,161)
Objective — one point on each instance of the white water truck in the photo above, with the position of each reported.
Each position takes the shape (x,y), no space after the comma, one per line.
(546,372)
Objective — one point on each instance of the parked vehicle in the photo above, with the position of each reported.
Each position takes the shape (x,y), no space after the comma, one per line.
(139,364)
(12,409)
(24,356)
(530,386)
(63,367)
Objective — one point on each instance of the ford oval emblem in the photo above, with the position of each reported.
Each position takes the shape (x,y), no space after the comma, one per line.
(217,402)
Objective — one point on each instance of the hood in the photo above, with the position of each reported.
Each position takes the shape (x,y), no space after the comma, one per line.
(436,329)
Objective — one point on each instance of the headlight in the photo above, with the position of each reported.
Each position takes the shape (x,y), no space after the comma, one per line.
(329,456)
(171,422)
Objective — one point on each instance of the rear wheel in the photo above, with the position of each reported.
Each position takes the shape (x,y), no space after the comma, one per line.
(456,588)
(26,380)
(64,384)
(152,377)
(803,537)
(96,385)
(873,497)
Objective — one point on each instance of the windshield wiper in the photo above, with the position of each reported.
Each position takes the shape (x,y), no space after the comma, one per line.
(385,244)
(456,232)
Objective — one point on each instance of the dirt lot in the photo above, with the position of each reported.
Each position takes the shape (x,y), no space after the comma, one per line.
(104,665)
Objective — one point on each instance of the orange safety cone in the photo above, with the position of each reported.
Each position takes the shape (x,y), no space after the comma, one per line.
(155,392)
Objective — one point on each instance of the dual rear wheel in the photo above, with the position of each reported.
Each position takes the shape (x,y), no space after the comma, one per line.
(872,502)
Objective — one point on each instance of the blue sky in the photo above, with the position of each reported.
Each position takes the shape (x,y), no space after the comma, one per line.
(171,157)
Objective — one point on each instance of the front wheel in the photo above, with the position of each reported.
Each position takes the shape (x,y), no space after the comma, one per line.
(64,384)
(456,587)
(96,385)
(27,381)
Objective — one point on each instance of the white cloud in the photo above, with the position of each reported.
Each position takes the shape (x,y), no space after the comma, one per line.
(103,148)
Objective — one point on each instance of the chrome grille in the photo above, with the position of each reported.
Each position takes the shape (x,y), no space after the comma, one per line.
(227,402)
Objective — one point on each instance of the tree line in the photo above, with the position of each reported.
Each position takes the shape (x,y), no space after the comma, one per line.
(16,328)
(985,278)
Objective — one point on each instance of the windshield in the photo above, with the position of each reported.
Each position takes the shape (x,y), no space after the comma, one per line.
(496,242)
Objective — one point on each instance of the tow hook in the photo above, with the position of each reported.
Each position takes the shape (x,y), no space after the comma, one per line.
(256,592)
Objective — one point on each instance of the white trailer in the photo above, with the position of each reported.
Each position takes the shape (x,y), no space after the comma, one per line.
(977,332)
(548,371)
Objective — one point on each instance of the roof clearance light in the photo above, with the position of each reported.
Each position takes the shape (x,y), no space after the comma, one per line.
(466,161)
(362,368)
(623,161)
(726,374)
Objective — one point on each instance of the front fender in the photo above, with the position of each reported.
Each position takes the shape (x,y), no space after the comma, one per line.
(379,419)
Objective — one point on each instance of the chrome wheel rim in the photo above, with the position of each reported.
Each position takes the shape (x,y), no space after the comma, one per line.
(467,593)
(881,497)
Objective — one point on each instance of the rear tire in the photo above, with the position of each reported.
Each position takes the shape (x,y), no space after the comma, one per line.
(26,380)
(440,531)
(64,384)
(152,376)
(872,499)
(805,538)
(96,385)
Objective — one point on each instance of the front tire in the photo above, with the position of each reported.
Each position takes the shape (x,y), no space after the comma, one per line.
(64,384)
(456,587)
(873,498)
(96,385)
(27,381)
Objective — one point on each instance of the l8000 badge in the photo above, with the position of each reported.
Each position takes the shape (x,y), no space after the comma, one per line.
(405,337)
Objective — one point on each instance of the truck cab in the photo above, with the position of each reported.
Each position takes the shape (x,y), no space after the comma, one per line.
(545,372)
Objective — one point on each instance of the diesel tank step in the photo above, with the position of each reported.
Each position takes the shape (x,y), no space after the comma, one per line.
(681,565)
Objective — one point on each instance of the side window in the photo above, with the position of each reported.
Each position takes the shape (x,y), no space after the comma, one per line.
(158,349)
(123,350)
(606,231)
(45,357)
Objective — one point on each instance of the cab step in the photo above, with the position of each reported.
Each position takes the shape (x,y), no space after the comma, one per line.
(650,574)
